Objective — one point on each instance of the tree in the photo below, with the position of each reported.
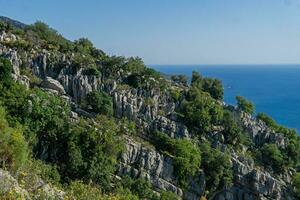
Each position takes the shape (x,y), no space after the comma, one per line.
(196,80)
(186,155)
(245,105)
(201,110)
(5,71)
(92,151)
(272,156)
(233,132)
(99,102)
(13,147)
(180,79)
(217,167)
(296,184)
(212,86)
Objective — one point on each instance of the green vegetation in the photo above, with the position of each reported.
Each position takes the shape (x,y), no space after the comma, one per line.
(200,110)
(41,34)
(217,168)
(92,151)
(271,156)
(180,79)
(296,184)
(99,102)
(186,155)
(233,132)
(13,147)
(38,140)
(291,153)
(245,105)
(212,86)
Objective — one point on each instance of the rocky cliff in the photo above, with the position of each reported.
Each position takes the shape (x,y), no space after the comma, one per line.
(152,110)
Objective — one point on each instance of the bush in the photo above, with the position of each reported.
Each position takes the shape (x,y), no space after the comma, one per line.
(13,147)
(272,157)
(49,38)
(186,155)
(233,132)
(5,71)
(245,105)
(77,190)
(201,111)
(138,187)
(99,102)
(92,151)
(296,185)
(217,168)
(212,86)
(91,72)
(180,79)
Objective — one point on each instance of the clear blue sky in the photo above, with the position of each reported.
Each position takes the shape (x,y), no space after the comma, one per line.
(175,31)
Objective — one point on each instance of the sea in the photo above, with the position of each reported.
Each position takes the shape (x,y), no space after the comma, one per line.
(274,89)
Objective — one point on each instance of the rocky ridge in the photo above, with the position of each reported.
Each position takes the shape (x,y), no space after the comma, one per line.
(143,106)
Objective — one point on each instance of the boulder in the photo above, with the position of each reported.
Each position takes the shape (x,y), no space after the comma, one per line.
(53,84)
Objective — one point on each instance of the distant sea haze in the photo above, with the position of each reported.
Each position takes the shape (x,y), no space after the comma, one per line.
(274,89)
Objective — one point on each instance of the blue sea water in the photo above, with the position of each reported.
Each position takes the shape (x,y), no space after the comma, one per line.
(274,89)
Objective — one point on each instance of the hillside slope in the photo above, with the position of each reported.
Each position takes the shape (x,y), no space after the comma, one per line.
(92,126)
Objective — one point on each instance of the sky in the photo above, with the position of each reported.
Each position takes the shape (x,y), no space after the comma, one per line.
(175,31)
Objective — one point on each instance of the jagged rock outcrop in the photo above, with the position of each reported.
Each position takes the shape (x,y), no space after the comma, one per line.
(141,161)
(169,127)
(10,186)
(53,84)
(252,183)
(153,110)
(260,133)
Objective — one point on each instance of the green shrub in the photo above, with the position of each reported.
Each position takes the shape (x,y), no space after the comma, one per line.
(139,187)
(91,72)
(13,147)
(233,132)
(77,190)
(168,196)
(212,86)
(217,168)
(5,71)
(92,151)
(245,105)
(201,111)
(186,155)
(180,79)
(296,185)
(271,156)
(99,102)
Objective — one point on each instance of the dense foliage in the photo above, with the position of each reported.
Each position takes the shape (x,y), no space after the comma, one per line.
(201,111)
(217,167)
(245,105)
(186,155)
(212,86)
(99,102)
(38,139)
(233,132)
(296,184)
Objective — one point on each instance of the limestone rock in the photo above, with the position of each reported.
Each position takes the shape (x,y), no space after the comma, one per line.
(53,84)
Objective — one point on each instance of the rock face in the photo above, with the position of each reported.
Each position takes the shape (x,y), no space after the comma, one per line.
(251,183)
(8,184)
(260,133)
(152,110)
(141,161)
(53,84)
(171,128)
